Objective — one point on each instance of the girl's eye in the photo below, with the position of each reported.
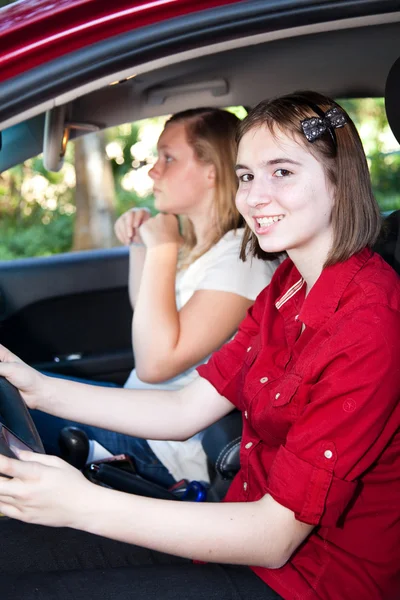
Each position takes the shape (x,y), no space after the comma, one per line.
(282,173)
(168,158)
(246,177)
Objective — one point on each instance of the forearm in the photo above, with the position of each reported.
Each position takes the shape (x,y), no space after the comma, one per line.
(150,414)
(235,533)
(155,324)
(137,255)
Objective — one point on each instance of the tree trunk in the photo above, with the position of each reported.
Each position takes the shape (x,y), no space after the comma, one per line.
(94,194)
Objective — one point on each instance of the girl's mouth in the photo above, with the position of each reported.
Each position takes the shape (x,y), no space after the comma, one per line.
(264,224)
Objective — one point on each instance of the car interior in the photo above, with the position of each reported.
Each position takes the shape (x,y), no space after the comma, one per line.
(51,307)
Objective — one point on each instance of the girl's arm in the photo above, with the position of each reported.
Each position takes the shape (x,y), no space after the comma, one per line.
(127,231)
(48,491)
(137,255)
(167,341)
(149,414)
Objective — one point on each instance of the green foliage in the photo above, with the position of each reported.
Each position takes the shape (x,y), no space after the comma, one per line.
(6,2)
(35,239)
(369,117)
(36,211)
(385,170)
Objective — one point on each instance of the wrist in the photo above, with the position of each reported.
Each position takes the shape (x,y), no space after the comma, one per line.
(97,512)
(137,249)
(84,512)
(47,394)
(166,249)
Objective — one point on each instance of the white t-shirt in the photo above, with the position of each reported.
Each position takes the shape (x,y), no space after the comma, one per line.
(220,268)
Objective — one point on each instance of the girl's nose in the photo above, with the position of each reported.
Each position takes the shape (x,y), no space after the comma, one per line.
(154,171)
(258,195)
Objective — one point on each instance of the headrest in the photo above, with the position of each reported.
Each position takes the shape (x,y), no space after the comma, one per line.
(392,99)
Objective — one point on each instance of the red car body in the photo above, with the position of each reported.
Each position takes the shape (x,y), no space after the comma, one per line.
(34,32)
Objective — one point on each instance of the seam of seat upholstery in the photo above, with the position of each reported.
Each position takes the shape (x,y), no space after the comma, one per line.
(220,460)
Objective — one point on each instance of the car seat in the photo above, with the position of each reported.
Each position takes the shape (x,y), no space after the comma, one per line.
(388,245)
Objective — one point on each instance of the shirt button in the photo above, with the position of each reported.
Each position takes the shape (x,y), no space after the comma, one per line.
(245,414)
(296,318)
(263,379)
(245,486)
(328,454)
(248,349)
(277,396)
(248,445)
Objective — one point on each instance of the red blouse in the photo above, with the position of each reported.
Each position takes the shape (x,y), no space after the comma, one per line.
(321,423)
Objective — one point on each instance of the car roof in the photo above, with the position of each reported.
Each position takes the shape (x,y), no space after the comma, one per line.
(227,53)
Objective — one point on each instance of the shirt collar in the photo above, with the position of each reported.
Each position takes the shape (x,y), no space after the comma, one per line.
(325,295)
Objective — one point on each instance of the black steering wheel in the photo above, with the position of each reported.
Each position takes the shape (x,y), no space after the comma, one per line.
(15,420)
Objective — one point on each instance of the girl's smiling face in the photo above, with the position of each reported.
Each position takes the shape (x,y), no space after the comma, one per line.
(284,195)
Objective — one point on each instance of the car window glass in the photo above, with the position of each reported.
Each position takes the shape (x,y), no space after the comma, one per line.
(104,174)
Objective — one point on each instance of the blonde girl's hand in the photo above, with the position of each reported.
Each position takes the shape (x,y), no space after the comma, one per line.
(127,226)
(161,229)
(34,387)
(44,490)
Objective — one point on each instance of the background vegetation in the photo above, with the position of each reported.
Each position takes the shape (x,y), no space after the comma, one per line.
(43,213)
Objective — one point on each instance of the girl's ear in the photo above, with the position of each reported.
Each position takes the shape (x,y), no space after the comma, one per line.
(211,175)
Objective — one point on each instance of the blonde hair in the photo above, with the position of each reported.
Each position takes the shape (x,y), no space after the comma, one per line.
(211,132)
(356,219)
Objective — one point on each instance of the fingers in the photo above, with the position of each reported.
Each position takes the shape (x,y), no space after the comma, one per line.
(7,356)
(127,225)
(13,372)
(10,511)
(29,464)
(44,459)
(12,467)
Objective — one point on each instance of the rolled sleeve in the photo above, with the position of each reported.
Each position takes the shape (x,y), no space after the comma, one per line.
(313,493)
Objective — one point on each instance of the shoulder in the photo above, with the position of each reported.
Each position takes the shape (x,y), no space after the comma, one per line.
(231,241)
(377,283)
(368,314)
(222,269)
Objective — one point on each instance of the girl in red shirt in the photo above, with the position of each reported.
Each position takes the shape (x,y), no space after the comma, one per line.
(314,368)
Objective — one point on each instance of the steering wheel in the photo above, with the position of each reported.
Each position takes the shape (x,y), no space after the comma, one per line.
(15,416)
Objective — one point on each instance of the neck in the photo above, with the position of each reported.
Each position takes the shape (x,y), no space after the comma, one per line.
(203,222)
(310,261)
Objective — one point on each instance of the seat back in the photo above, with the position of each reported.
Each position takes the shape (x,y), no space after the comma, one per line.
(388,245)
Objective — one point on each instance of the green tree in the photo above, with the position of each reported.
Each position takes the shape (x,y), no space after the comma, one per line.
(370,118)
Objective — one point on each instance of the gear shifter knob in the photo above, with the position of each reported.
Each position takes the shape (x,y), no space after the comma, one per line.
(74,446)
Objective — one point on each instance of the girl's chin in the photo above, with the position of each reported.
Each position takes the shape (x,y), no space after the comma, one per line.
(271,246)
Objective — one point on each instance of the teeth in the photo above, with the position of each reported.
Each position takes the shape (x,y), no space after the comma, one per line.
(265,221)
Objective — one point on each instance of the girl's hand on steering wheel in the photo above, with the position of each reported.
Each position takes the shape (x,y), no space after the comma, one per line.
(33,386)
(44,490)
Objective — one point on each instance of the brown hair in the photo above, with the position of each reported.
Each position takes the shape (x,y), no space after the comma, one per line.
(211,132)
(356,219)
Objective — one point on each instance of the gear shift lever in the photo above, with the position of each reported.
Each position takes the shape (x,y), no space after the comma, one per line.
(74,446)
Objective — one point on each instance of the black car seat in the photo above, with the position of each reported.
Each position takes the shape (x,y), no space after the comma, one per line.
(388,245)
